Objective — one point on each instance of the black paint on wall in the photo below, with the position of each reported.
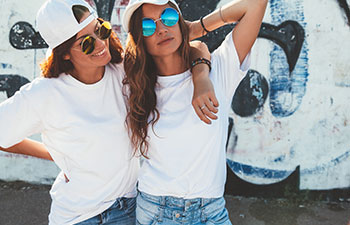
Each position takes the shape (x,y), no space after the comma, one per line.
(289,35)
(250,95)
(12,83)
(345,6)
(23,36)
(105,8)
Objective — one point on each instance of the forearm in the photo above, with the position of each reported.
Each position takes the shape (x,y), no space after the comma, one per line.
(29,147)
(199,50)
(231,12)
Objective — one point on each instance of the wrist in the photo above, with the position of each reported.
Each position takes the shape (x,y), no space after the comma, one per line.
(199,62)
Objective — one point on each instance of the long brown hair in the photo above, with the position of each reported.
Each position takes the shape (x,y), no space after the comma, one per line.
(141,79)
(55,64)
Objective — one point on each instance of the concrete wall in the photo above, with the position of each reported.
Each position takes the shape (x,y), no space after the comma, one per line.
(291,110)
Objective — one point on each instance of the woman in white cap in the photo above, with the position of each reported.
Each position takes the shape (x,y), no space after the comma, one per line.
(183,175)
(79,108)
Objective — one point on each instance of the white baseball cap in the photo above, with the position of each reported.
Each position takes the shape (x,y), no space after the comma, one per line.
(135,4)
(56,22)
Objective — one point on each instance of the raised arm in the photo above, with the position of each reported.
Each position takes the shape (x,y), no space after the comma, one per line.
(248,14)
(29,147)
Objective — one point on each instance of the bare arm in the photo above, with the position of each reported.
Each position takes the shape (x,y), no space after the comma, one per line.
(248,14)
(29,147)
(204,100)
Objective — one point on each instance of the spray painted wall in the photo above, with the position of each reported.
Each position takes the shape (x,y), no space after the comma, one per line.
(292,109)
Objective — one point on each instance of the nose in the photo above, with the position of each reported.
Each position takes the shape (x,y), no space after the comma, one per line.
(161,28)
(100,42)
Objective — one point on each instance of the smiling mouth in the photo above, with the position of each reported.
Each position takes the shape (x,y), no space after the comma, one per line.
(165,41)
(100,53)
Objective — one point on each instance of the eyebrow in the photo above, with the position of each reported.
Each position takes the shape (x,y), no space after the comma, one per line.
(84,36)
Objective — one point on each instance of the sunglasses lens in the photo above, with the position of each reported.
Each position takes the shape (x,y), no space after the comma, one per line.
(88,45)
(105,30)
(169,17)
(148,27)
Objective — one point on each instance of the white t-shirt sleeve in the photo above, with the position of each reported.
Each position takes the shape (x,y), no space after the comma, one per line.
(19,117)
(226,69)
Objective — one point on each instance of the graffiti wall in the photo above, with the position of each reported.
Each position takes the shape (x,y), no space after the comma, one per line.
(291,110)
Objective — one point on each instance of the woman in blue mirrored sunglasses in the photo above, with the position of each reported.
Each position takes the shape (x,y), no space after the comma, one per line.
(182,179)
(169,18)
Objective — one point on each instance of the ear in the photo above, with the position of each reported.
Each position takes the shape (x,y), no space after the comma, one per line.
(66,56)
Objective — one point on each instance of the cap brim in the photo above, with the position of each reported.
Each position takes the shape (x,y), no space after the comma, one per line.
(130,9)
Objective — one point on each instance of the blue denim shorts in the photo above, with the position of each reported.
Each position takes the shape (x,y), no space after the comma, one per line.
(151,210)
(122,212)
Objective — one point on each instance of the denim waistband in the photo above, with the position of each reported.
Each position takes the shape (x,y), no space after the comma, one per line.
(178,203)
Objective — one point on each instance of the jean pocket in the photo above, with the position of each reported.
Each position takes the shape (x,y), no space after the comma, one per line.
(146,212)
(145,217)
(216,213)
(220,217)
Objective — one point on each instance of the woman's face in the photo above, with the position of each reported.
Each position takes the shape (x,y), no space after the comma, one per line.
(100,55)
(165,40)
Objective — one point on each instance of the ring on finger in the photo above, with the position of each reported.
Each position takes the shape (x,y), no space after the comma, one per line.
(203,106)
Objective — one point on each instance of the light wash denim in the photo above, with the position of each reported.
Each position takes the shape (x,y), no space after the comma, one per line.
(167,210)
(122,212)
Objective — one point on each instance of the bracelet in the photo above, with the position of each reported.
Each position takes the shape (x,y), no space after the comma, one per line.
(201,60)
(222,18)
(205,29)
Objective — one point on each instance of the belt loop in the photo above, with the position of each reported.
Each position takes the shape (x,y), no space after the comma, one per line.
(121,203)
(162,200)
(202,202)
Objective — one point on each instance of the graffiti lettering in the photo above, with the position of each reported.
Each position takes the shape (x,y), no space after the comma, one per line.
(23,36)
(250,95)
(11,83)
(345,6)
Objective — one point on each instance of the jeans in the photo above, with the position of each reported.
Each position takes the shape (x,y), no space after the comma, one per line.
(122,212)
(169,210)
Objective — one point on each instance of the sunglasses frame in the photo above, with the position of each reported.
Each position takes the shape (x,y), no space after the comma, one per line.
(91,40)
(161,19)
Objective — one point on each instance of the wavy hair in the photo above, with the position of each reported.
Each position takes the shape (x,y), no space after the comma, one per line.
(55,64)
(141,79)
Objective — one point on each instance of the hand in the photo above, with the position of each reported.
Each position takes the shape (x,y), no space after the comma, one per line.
(204,100)
(195,29)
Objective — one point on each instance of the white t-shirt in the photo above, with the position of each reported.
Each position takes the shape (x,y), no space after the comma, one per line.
(84,130)
(187,156)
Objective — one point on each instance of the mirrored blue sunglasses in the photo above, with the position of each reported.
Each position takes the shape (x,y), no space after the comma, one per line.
(169,18)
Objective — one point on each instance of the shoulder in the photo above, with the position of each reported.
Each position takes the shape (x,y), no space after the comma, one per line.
(38,88)
(116,70)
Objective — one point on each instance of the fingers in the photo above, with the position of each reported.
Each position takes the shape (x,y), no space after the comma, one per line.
(210,106)
(213,99)
(205,107)
(208,113)
(200,114)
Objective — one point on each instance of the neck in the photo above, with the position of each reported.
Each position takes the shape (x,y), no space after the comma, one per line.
(88,75)
(170,65)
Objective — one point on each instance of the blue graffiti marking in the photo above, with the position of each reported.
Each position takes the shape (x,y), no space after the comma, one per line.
(257,172)
(323,167)
(252,171)
(5,66)
(287,88)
